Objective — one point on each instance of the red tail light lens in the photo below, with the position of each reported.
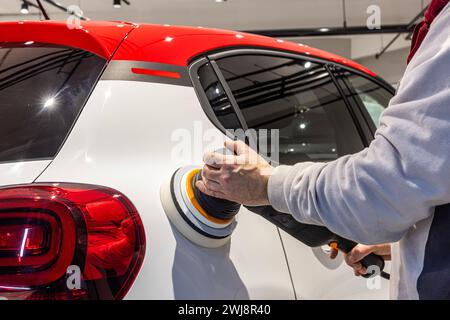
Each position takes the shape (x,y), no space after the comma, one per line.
(25,237)
(68,241)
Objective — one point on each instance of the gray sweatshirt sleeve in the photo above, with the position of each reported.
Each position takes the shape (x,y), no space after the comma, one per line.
(376,195)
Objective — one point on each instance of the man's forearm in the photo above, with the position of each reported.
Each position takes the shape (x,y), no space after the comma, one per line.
(374,196)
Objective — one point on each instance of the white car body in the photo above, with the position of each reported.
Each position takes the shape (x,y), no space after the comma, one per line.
(123,139)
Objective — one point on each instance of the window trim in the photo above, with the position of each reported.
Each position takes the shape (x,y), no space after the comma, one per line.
(364,129)
(203,99)
(229,94)
(367,118)
(269,51)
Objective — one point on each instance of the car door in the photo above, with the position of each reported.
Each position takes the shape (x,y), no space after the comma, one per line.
(253,265)
(299,98)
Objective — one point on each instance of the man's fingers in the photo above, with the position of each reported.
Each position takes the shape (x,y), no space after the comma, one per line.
(233,146)
(358,253)
(202,187)
(212,185)
(358,268)
(213,159)
(217,160)
(354,257)
(211,173)
(240,148)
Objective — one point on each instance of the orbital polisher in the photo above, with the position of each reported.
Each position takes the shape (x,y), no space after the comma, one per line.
(209,222)
(202,219)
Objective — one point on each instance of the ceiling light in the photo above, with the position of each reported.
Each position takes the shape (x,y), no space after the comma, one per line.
(50,102)
(117,4)
(324,29)
(24,8)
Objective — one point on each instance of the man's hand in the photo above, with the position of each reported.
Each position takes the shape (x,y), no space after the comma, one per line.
(242,178)
(359,252)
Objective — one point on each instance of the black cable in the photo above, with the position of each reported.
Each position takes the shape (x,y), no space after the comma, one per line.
(41,7)
(385,275)
(344,14)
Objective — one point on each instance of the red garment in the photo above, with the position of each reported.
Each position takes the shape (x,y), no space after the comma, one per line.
(421,29)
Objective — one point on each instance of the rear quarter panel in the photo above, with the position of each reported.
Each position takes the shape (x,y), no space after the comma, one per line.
(123,139)
(21,172)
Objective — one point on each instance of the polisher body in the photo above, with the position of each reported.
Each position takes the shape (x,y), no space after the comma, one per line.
(182,206)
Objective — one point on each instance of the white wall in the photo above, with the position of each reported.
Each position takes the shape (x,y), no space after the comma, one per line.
(389,66)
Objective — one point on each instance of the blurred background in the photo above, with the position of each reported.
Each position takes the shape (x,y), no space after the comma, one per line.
(338,26)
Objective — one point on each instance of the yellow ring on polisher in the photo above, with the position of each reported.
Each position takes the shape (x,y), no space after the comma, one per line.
(191,196)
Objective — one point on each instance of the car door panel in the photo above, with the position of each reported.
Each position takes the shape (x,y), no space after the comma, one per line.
(300,99)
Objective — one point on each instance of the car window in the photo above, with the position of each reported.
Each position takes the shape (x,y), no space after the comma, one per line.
(373,97)
(217,97)
(298,98)
(42,90)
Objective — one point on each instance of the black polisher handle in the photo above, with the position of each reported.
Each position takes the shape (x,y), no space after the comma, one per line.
(372,259)
(315,236)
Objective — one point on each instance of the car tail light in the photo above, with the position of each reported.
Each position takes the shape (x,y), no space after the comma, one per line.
(68,241)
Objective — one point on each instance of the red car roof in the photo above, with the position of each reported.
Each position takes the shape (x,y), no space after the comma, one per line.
(147,42)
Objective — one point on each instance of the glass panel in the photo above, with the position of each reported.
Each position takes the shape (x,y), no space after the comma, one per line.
(297,97)
(42,90)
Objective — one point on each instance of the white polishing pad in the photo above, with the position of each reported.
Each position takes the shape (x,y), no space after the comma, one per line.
(188,223)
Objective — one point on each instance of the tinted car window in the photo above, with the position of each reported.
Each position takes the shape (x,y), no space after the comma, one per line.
(373,97)
(217,97)
(297,97)
(42,90)
(364,92)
